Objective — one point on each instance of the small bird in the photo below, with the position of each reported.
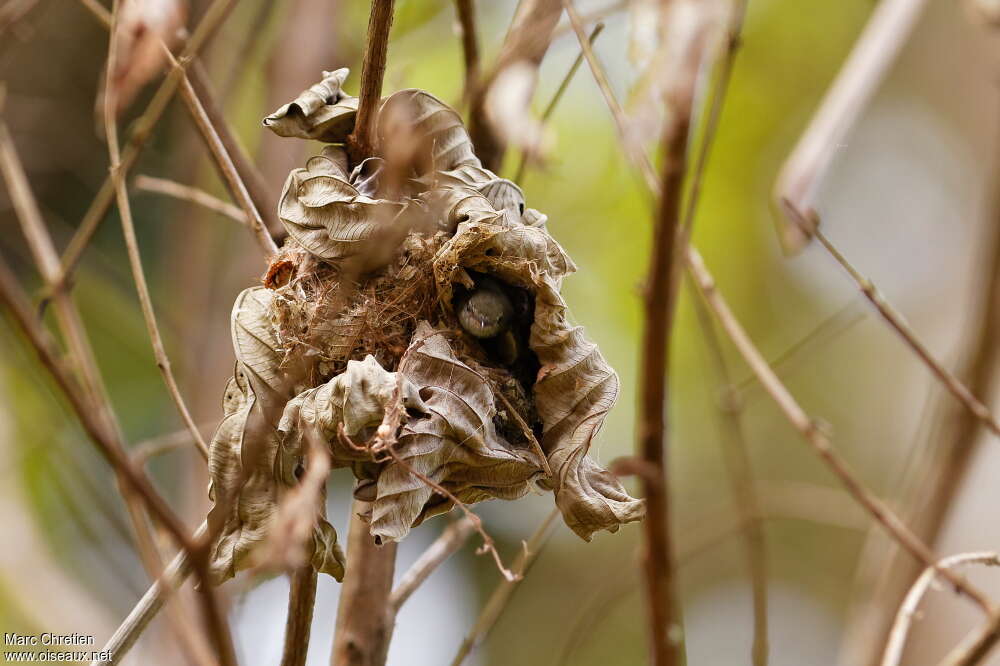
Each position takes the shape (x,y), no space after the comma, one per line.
(486,311)
(500,317)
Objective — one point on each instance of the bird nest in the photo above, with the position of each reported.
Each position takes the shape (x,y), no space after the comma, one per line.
(411,329)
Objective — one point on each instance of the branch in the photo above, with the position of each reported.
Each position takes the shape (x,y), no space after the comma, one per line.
(560,91)
(223,161)
(364,616)
(141,130)
(898,324)
(301,599)
(361,142)
(815,436)
(216,625)
(466,12)
(502,593)
(190,194)
(527,41)
(798,181)
(452,538)
(257,189)
(737,454)
(908,610)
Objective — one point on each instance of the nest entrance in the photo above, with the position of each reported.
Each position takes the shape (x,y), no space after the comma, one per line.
(326,317)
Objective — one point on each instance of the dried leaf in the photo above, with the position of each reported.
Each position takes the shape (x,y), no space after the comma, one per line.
(144,27)
(454,443)
(508,109)
(243,455)
(327,215)
(417,112)
(323,111)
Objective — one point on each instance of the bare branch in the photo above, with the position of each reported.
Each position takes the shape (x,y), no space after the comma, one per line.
(364,625)
(257,188)
(815,436)
(898,324)
(223,161)
(798,181)
(361,143)
(502,593)
(527,41)
(141,130)
(183,192)
(301,600)
(470,45)
(908,610)
(216,624)
(560,91)
(452,538)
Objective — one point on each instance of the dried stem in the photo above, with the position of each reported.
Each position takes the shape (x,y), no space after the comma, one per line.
(908,610)
(361,143)
(190,194)
(452,538)
(301,600)
(253,181)
(896,321)
(364,616)
(81,354)
(815,436)
(527,41)
(560,91)
(149,605)
(976,645)
(737,454)
(466,12)
(798,182)
(141,130)
(505,589)
(223,161)
(215,623)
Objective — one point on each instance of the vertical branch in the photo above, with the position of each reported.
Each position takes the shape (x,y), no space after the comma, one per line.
(527,41)
(361,142)
(301,599)
(257,188)
(737,454)
(470,46)
(215,623)
(364,615)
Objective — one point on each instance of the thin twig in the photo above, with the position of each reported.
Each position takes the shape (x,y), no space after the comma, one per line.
(82,355)
(223,161)
(452,538)
(798,181)
(505,589)
(466,12)
(560,91)
(736,451)
(634,153)
(149,605)
(526,429)
(139,134)
(216,625)
(361,142)
(142,452)
(172,188)
(298,623)
(527,41)
(257,188)
(814,434)
(896,321)
(976,645)
(908,609)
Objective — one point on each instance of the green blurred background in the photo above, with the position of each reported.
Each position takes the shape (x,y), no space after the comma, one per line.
(909,199)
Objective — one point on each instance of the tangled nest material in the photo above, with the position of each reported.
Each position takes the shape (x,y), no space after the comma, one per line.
(350,354)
